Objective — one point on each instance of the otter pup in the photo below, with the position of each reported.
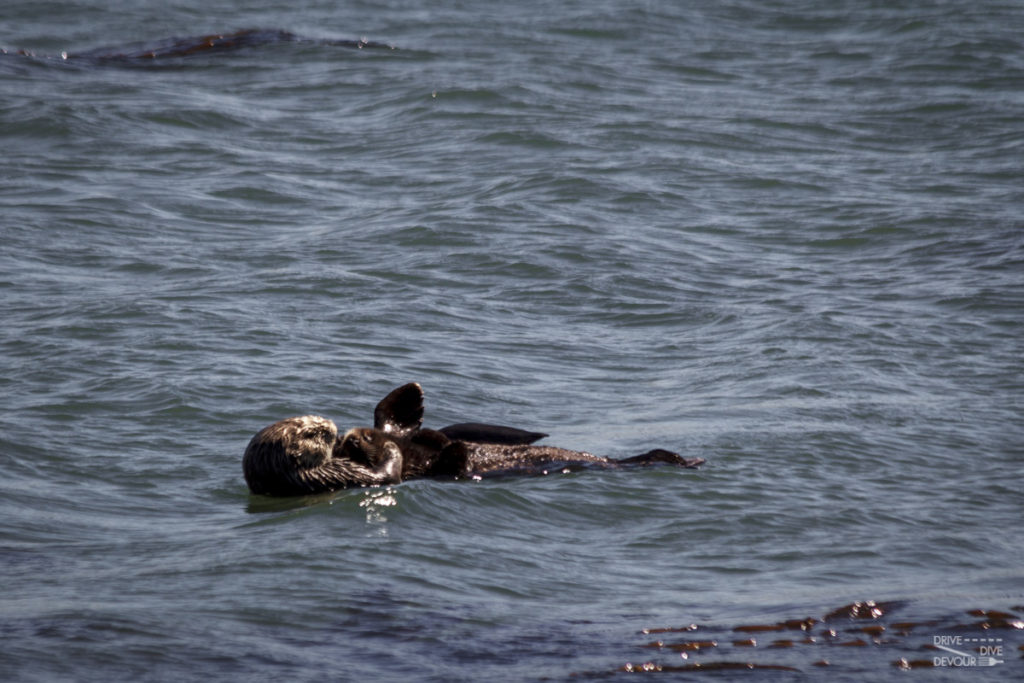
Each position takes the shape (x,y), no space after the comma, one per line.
(302,455)
(307,455)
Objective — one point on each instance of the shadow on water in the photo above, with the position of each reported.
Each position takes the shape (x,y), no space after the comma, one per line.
(272,510)
(175,47)
(294,504)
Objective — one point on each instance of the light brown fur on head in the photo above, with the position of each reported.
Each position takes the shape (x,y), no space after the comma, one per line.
(307,440)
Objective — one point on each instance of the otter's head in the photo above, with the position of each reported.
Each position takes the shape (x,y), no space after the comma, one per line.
(286,449)
(372,448)
(303,455)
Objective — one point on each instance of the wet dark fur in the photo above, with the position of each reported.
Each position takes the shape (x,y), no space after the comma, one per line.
(306,455)
(194,45)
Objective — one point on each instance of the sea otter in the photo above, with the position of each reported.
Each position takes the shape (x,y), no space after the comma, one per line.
(215,42)
(302,455)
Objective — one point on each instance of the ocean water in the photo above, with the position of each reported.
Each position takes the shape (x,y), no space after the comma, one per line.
(785,237)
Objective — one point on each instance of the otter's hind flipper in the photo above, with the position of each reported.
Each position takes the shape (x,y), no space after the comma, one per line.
(484,433)
(660,455)
(401,411)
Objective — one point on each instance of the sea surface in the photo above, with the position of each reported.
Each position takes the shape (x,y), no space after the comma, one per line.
(787,237)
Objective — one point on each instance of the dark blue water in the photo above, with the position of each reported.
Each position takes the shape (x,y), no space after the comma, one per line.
(785,237)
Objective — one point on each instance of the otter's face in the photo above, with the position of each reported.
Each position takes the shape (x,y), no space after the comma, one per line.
(373,449)
(370,447)
(306,441)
